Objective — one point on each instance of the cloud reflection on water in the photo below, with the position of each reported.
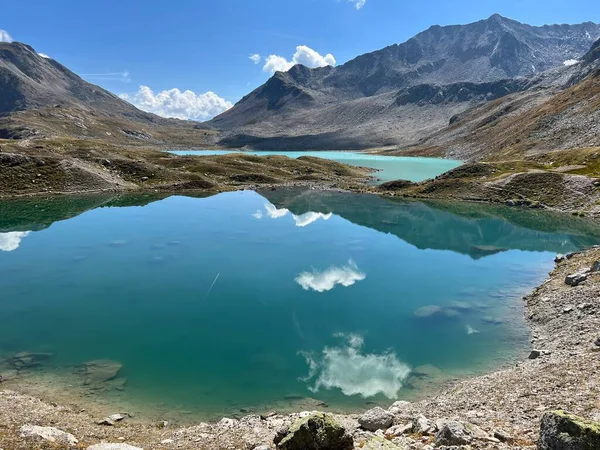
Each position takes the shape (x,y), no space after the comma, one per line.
(301,220)
(329,278)
(11,241)
(354,372)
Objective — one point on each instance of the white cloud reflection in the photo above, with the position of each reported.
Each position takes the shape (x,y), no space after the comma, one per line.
(11,241)
(329,278)
(301,220)
(354,372)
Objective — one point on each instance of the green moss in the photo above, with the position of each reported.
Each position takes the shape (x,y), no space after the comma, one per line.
(314,432)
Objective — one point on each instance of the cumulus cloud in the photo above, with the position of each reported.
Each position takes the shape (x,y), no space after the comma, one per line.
(5,37)
(570,62)
(258,214)
(330,277)
(179,105)
(11,241)
(301,220)
(43,55)
(358,3)
(471,330)
(255,58)
(354,372)
(304,55)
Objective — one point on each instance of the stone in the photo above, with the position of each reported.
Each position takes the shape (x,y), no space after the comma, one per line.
(318,431)
(379,443)
(400,407)
(534,354)
(597,342)
(376,419)
(25,360)
(560,430)
(48,434)
(95,372)
(107,446)
(503,436)
(452,433)
(422,425)
(595,267)
(575,279)
(398,430)
(261,447)
(559,258)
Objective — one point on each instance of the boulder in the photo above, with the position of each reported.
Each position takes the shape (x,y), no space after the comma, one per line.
(452,433)
(560,430)
(575,279)
(422,425)
(534,354)
(376,419)
(379,443)
(25,360)
(106,446)
(595,267)
(318,431)
(401,407)
(95,372)
(47,434)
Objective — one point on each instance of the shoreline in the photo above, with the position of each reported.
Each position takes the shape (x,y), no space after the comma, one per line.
(564,323)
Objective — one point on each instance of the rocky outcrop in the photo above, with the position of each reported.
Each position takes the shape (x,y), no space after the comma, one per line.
(35,433)
(376,419)
(318,431)
(452,433)
(560,430)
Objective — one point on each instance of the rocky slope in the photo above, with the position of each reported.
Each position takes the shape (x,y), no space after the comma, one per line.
(40,97)
(403,92)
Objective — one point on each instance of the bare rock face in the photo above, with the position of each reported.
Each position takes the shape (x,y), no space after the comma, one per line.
(317,431)
(35,433)
(376,419)
(560,430)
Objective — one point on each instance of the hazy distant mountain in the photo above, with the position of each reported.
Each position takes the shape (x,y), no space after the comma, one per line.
(405,91)
(65,104)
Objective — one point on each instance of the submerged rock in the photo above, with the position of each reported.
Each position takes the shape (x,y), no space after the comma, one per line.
(560,430)
(47,434)
(99,371)
(318,431)
(376,419)
(25,360)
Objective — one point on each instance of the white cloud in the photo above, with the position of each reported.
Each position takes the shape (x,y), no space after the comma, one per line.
(358,3)
(570,62)
(43,55)
(5,37)
(330,277)
(471,330)
(11,241)
(177,104)
(354,372)
(255,58)
(258,214)
(304,55)
(108,76)
(302,220)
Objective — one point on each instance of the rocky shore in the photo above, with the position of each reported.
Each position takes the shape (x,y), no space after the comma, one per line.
(501,410)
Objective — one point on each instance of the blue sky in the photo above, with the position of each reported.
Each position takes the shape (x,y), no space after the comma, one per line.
(204,45)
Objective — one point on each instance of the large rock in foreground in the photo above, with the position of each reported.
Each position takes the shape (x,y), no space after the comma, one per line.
(318,431)
(35,433)
(376,419)
(560,430)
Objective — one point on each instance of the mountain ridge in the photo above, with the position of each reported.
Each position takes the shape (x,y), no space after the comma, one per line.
(303,104)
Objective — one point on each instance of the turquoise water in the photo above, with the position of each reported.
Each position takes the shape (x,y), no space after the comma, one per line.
(245,301)
(389,167)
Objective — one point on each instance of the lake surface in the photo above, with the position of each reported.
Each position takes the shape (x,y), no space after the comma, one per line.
(389,167)
(246,302)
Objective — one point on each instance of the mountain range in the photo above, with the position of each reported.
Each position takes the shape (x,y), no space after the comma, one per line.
(405,92)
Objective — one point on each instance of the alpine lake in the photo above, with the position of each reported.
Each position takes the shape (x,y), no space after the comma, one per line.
(240,302)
